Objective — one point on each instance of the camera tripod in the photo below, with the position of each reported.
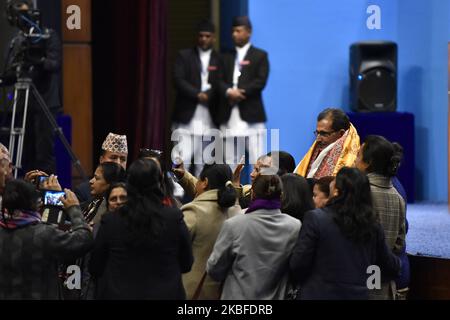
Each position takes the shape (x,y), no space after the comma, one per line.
(17,133)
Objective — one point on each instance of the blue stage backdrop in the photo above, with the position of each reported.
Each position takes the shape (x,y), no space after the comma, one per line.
(308,45)
(63,160)
(396,127)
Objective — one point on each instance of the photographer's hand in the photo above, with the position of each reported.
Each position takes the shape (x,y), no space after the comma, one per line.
(237,172)
(70,199)
(179,170)
(32,175)
(52,184)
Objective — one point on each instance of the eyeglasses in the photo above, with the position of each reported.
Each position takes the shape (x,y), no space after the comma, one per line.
(323,133)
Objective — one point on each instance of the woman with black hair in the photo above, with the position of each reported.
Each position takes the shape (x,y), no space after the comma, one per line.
(106,174)
(380,159)
(252,252)
(214,202)
(141,251)
(296,199)
(30,249)
(338,243)
(171,189)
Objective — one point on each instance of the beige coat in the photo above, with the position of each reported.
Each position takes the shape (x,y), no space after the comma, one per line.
(204,219)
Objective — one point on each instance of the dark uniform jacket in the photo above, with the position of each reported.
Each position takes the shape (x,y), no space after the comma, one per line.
(188,83)
(253,79)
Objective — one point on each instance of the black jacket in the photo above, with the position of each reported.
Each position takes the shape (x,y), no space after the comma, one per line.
(253,79)
(329,266)
(29,257)
(154,272)
(46,75)
(187,78)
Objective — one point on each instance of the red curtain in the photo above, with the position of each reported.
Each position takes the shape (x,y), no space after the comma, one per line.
(132,96)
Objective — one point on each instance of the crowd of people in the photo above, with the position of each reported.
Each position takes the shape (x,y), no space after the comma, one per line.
(149,230)
(284,236)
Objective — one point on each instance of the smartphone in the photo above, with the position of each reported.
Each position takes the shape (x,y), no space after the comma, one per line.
(51,198)
(40,180)
(177,162)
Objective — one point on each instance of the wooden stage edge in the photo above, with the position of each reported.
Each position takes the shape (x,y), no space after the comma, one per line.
(430,278)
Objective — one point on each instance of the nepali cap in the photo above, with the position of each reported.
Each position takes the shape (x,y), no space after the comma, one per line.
(4,153)
(115,143)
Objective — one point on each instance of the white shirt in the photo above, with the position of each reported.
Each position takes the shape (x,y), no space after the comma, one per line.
(205,57)
(240,55)
(201,119)
(236,126)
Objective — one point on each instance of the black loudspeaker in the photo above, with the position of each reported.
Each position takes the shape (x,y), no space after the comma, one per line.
(373,76)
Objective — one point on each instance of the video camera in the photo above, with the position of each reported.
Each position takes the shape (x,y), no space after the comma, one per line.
(21,15)
(31,48)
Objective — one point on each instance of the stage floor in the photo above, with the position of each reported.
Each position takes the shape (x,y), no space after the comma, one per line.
(429,230)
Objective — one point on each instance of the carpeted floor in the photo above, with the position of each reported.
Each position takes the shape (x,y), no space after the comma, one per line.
(429,229)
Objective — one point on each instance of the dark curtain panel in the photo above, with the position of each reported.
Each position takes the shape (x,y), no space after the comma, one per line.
(130,44)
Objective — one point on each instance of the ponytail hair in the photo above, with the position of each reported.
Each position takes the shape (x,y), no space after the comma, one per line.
(226,196)
(219,177)
(396,159)
(267,187)
(382,156)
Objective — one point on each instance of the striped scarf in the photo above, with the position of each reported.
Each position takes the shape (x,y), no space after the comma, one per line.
(342,154)
(19,219)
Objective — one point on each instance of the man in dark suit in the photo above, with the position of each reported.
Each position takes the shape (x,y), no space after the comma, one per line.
(196,75)
(242,115)
(42,61)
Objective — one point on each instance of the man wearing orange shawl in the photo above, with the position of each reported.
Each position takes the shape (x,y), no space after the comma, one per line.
(336,146)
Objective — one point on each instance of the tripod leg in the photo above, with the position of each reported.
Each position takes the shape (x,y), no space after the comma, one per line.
(12,134)
(22,132)
(58,131)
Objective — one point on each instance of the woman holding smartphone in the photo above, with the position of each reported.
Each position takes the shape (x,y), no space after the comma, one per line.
(25,241)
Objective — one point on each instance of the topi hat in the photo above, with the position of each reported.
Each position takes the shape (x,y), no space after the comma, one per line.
(115,143)
(206,26)
(242,21)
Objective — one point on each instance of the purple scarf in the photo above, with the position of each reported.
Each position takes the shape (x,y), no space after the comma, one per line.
(19,219)
(263,204)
